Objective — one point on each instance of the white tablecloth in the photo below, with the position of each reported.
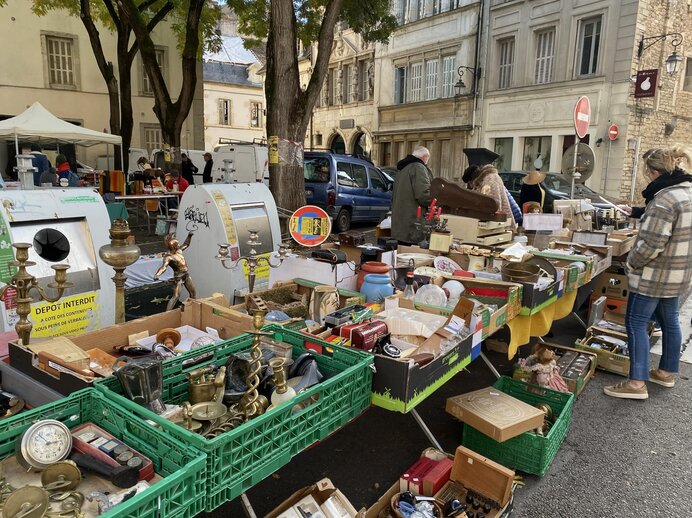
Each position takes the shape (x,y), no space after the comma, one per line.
(142,271)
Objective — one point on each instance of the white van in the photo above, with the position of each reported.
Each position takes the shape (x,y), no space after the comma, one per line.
(240,162)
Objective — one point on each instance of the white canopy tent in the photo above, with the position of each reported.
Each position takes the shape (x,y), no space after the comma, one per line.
(39,125)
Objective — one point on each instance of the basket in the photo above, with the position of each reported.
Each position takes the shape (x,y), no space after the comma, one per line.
(527,452)
(242,457)
(182,467)
(520,272)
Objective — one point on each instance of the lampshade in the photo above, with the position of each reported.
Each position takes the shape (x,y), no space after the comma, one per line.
(673,62)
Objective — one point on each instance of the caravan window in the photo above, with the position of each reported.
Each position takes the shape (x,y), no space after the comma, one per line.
(316,169)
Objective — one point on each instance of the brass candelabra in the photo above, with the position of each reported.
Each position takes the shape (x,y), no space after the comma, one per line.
(23,282)
(253,260)
(119,254)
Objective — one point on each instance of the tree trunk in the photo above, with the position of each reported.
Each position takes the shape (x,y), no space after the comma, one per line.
(125,60)
(171,139)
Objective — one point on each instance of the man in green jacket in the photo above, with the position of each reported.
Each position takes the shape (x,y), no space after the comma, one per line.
(411,190)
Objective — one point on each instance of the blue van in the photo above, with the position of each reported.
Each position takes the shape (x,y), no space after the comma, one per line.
(348,188)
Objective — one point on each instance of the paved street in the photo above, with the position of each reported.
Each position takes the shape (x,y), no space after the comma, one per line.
(620,458)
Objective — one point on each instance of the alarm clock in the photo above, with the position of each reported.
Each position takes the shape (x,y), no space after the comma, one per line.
(44,443)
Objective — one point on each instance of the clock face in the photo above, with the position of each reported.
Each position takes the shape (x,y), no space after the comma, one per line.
(48,442)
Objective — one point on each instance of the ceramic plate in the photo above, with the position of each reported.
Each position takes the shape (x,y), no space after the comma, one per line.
(431,295)
(446,265)
(418,259)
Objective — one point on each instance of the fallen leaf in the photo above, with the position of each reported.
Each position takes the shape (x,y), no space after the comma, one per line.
(276,476)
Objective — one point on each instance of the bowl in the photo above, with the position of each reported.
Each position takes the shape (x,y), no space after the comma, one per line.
(520,272)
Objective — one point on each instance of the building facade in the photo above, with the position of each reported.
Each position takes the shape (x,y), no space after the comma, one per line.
(541,57)
(417,73)
(234,106)
(344,118)
(49,59)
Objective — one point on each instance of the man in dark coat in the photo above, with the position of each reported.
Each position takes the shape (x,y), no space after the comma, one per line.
(188,169)
(411,190)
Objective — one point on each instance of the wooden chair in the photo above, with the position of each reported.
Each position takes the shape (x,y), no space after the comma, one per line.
(151,207)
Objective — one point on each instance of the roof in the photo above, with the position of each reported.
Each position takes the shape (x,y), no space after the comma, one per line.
(37,124)
(227,73)
(232,51)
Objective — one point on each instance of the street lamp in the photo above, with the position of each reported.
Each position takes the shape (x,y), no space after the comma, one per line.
(673,61)
(460,85)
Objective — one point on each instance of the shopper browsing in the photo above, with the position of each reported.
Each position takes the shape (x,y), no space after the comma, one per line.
(411,190)
(659,271)
(188,169)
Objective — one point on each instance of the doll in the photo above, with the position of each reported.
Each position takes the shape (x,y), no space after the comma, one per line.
(544,371)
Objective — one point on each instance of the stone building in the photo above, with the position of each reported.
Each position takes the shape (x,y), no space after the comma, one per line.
(540,58)
(344,117)
(49,59)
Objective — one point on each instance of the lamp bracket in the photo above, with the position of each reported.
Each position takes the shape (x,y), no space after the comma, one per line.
(675,42)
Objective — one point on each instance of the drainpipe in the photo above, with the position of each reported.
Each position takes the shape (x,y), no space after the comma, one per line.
(477,74)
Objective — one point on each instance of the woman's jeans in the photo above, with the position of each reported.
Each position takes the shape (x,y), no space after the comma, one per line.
(640,311)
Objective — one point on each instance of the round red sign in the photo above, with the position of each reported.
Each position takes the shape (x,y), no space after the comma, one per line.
(582,116)
(310,226)
(613,131)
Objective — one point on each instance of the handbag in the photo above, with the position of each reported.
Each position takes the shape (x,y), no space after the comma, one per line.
(330,256)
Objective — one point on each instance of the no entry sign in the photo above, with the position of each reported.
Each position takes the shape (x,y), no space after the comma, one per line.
(582,116)
(613,131)
(310,226)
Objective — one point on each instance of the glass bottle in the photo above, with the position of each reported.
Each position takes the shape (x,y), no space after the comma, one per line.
(409,292)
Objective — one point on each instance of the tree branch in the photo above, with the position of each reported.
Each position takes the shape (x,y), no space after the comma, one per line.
(146,5)
(111,10)
(105,67)
(158,17)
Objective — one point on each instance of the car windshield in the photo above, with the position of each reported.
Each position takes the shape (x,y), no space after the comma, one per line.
(562,184)
(316,169)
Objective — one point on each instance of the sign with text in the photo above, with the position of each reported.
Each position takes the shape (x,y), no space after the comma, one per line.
(582,116)
(646,83)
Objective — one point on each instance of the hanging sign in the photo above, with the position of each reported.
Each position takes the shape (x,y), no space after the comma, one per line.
(310,226)
(646,83)
(582,116)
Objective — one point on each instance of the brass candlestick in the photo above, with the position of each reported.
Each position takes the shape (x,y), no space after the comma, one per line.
(119,254)
(253,260)
(250,404)
(23,282)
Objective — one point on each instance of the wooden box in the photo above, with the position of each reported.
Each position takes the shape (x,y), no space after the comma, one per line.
(494,413)
(608,360)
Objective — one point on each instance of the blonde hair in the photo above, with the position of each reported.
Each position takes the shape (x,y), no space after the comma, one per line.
(665,160)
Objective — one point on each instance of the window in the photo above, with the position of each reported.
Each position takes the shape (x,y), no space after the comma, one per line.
(346,84)
(60,61)
(589,44)
(506,52)
(503,147)
(151,137)
(351,175)
(363,80)
(448,76)
(377,181)
(316,169)
(687,85)
(256,115)
(445,158)
(431,79)
(416,82)
(161,60)
(386,156)
(225,112)
(336,94)
(400,74)
(536,148)
(545,52)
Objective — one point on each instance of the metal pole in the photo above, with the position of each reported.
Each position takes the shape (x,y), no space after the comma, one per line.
(426,430)
(16,144)
(635,166)
(605,173)
(574,163)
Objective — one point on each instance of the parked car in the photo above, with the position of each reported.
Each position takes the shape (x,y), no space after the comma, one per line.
(558,187)
(348,188)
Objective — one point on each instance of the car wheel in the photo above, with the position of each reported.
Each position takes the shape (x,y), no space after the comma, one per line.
(343,220)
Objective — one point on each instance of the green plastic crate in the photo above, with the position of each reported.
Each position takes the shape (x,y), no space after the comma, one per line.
(183,468)
(240,458)
(527,452)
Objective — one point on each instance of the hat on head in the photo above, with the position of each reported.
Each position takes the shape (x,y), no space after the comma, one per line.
(533,178)
(480,155)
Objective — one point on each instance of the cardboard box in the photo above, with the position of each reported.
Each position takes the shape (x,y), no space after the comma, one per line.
(322,492)
(200,314)
(603,254)
(400,384)
(612,284)
(622,241)
(607,360)
(575,384)
(494,413)
(470,472)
